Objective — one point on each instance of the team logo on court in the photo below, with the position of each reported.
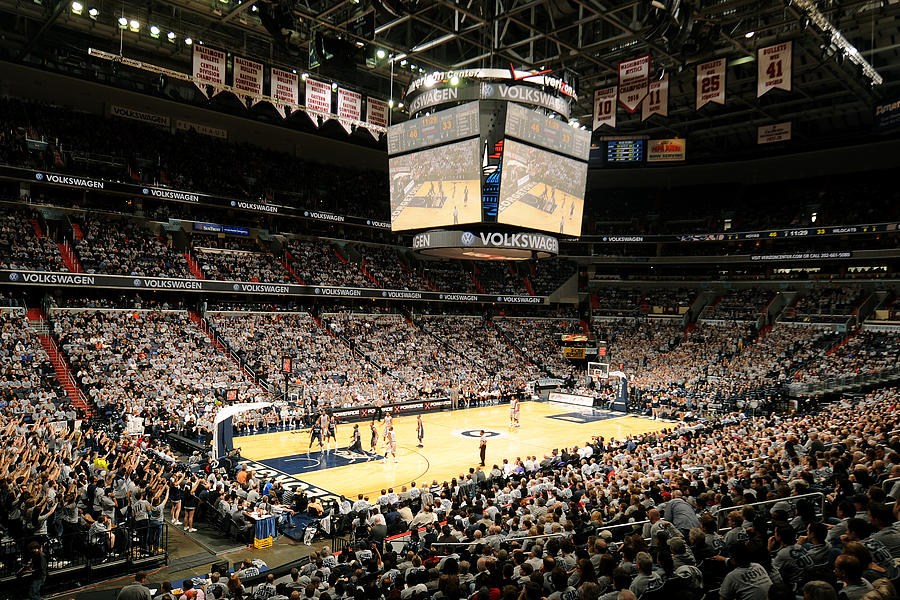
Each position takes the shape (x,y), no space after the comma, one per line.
(475,434)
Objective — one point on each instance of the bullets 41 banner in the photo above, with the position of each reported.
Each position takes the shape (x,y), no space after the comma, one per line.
(711,82)
(773,68)
(634,80)
(605,107)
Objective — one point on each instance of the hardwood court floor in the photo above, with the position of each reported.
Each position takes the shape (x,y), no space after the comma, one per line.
(451,445)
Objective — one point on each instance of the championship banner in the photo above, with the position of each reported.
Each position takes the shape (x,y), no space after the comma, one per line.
(634,80)
(769,134)
(318,100)
(711,83)
(657,100)
(605,107)
(284,87)
(349,106)
(773,68)
(209,69)
(248,79)
(376,113)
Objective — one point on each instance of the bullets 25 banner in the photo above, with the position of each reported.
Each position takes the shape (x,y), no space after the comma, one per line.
(349,108)
(657,100)
(285,88)
(773,68)
(605,107)
(208,69)
(318,99)
(711,82)
(634,79)
(248,78)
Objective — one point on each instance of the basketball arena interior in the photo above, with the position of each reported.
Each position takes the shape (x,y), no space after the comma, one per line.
(449,299)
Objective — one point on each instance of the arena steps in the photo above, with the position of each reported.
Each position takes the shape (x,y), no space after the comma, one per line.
(77,233)
(528,286)
(69,257)
(61,368)
(477,283)
(286,263)
(36,225)
(585,326)
(369,275)
(196,271)
(509,341)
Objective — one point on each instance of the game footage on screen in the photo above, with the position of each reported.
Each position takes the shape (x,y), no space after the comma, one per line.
(436,187)
(541,190)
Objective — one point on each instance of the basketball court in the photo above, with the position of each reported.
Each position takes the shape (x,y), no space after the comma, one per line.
(450,447)
(529,210)
(459,206)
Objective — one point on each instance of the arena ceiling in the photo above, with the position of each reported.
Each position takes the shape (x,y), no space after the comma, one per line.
(579,39)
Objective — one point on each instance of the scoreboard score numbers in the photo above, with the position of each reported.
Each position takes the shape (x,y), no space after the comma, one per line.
(456,123)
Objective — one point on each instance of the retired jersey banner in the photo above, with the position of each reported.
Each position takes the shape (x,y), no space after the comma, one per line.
(349,108)
(376,113)
(285,91)
(248,79)
(634,80)
(773,68)
(209,68)
(657,100)
(605,107)
(711,82)
(318,99)
(777,132)
(671,150)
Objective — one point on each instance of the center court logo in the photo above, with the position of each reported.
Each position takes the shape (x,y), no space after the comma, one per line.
(468,238)
(475,434)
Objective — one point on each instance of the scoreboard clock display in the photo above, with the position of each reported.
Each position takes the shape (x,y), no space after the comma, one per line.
(456,123)
(625,151)
(553,134)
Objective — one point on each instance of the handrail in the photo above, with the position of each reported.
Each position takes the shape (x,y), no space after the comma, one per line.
(790,499)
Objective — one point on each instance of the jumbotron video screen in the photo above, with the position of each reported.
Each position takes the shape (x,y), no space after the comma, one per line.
(541,190)
(436,187)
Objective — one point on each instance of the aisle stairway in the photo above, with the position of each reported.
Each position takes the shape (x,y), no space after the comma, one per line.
(69,257)
(196,271)
(38,322)
(286,263)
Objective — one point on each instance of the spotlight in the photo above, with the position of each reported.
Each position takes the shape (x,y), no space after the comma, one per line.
(154,31)
(399,105)
(334,87)
(454,80)
(171,36)
(380,54)
(305,76)
(123,23)
(412,67)
(77,7)
(254,8)
(749,34)
(188,41)
(134,25)
(391,103)
(93,12)
(403,62)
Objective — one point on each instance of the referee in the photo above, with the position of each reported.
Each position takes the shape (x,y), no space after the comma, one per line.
(482,446)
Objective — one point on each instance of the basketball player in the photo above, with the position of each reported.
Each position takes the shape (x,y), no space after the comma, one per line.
(315,434)
(420,430)
(373,446)
(482,446)
(330,432)
(355,441)
(513,412)
(516,412)
(390,444)
(388,420)
(455,215)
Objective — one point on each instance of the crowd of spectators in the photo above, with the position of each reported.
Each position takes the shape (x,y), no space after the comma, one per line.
(826,304)
(499,278)
(28,385)
(632,302)
(316,262)
(739,305)
(865,353)
(548,274)
(122,247)
(386,266)
(238,259)
(155,363)
(538,340)
(20,245)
